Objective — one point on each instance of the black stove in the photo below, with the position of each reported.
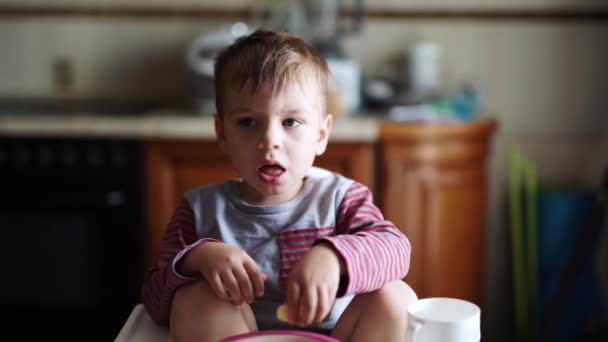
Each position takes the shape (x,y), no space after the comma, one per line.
(72,236)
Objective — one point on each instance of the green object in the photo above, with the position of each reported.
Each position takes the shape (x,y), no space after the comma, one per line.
(523,193)
(531,196)
(519,287)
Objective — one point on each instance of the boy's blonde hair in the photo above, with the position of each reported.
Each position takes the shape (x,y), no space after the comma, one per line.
(268,59)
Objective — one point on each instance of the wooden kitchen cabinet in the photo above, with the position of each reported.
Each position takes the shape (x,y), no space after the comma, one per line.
(174,167)
(434,189)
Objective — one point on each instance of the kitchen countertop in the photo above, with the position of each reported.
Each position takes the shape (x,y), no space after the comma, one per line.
(156,126)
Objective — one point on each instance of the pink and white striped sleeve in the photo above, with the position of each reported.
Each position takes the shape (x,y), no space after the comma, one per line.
(375,252)
(161,279)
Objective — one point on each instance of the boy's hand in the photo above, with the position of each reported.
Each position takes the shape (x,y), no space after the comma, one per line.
(312,285)
(231,273)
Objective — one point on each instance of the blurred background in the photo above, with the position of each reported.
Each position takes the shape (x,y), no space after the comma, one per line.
(539,68)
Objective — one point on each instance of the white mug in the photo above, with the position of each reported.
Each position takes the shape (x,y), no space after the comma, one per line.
(443,320)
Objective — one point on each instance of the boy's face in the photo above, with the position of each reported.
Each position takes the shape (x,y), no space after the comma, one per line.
(272,140)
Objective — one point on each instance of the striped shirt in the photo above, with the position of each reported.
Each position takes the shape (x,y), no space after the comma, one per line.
(330,208)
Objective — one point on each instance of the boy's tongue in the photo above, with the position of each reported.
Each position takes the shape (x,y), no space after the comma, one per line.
(271,170)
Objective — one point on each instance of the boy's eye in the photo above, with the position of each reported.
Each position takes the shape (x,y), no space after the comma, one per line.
(246,122)
(291,122)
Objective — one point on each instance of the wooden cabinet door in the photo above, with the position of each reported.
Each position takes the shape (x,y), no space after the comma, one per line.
(353,160)
(174,167)
(171,169)
(435,192)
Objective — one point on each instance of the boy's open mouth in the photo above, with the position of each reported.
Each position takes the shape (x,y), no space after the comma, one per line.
(270,172)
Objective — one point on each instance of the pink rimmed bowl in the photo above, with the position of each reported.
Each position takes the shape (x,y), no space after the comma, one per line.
(280,336)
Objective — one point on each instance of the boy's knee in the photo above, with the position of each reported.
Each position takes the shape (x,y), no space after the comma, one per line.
(401,291)
(404,291)
(398,290)
(195,306)
(395,296)
(191,293)
(189,298)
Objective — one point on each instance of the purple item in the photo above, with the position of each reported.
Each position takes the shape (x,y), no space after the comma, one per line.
(279,336)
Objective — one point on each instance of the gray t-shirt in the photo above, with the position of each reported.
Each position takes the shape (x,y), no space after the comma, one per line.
(274,236)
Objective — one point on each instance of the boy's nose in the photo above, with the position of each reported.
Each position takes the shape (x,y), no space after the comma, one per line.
(270,138)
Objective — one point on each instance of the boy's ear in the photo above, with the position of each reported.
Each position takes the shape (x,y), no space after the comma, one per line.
(219,131)
(324,131)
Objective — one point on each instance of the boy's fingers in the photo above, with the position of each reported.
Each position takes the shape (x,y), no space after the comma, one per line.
(257,278)
(244,282)
(308,305)
(322,306)
(233,288)
(218,288)
(293,301)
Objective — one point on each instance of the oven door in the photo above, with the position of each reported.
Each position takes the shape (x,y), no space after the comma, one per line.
(72,262)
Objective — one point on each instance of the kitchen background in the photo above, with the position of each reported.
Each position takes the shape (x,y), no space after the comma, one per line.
(540,68)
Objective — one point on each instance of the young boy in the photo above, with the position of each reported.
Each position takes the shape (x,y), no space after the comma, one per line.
(285,232)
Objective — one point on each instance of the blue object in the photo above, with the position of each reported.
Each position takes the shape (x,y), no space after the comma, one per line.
(465,104)
(462,105)
(561,215)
